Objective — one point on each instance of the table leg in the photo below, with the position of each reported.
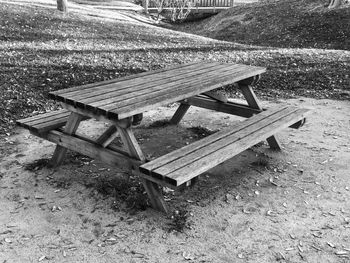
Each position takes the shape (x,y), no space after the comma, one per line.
(180,112)
(70,128)
(253,102)
(153,190)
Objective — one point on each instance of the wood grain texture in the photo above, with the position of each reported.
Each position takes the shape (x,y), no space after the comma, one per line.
(228,107)
(207,140)
(102,83)
(93,150)
(135,84)
(145,87)
(70,128)
(150,101)
(180,113)
(193,169)
(188,162)
(136,94)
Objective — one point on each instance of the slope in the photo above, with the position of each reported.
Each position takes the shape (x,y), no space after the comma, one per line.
(283,23)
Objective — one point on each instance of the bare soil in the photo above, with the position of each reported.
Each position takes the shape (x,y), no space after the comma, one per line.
(261,206)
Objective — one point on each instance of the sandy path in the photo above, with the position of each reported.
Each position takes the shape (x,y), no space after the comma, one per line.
(262,206)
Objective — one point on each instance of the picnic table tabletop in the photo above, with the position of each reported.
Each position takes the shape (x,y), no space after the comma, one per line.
(124,97)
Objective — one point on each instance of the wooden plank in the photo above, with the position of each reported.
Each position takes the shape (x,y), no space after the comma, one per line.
(51,124)
(153,191)
(180,112)
(186,173)
(216,95)
(52,118)
(274,143)
(125,122)
(136,81)
(298,124)
(161,161)
(133,93)
(45,127)
(155,195)
(160,182)
(143,95)
(107,137)
(93,150)
(223,142)
(46,122)
(70,128)
(177,95)
(42,116)
(101,83)
(254,103)
(131,82)
(113,147)
(250,96)
(133,89)
(229,107)
(174,85)
(130,143)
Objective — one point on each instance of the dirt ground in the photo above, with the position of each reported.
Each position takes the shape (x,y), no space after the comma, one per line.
(261,206)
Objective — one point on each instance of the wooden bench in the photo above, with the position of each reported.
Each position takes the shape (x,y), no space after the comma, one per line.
(45,122)
(182,165)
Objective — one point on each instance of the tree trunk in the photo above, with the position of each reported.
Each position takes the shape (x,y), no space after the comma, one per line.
(145,6)
(62,5)
(335,3)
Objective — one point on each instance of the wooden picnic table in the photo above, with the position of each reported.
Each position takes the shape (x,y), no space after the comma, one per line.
(117,101)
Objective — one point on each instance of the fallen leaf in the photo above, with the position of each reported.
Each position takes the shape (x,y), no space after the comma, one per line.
(271,213)
(330,244)
(7,240)
(187,256)
(342,252)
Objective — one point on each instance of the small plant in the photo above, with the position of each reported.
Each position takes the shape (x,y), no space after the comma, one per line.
(179,220)
(37,164)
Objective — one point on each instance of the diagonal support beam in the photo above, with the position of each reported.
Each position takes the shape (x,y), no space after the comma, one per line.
(153,190)
(180,112)
(216,95)
(108,136)
(70,128)
(253,102)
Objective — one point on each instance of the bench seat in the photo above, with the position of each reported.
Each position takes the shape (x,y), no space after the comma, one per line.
(182,165)
(45,122)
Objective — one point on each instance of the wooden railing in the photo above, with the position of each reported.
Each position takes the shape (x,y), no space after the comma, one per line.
(212,3)
(203,3)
